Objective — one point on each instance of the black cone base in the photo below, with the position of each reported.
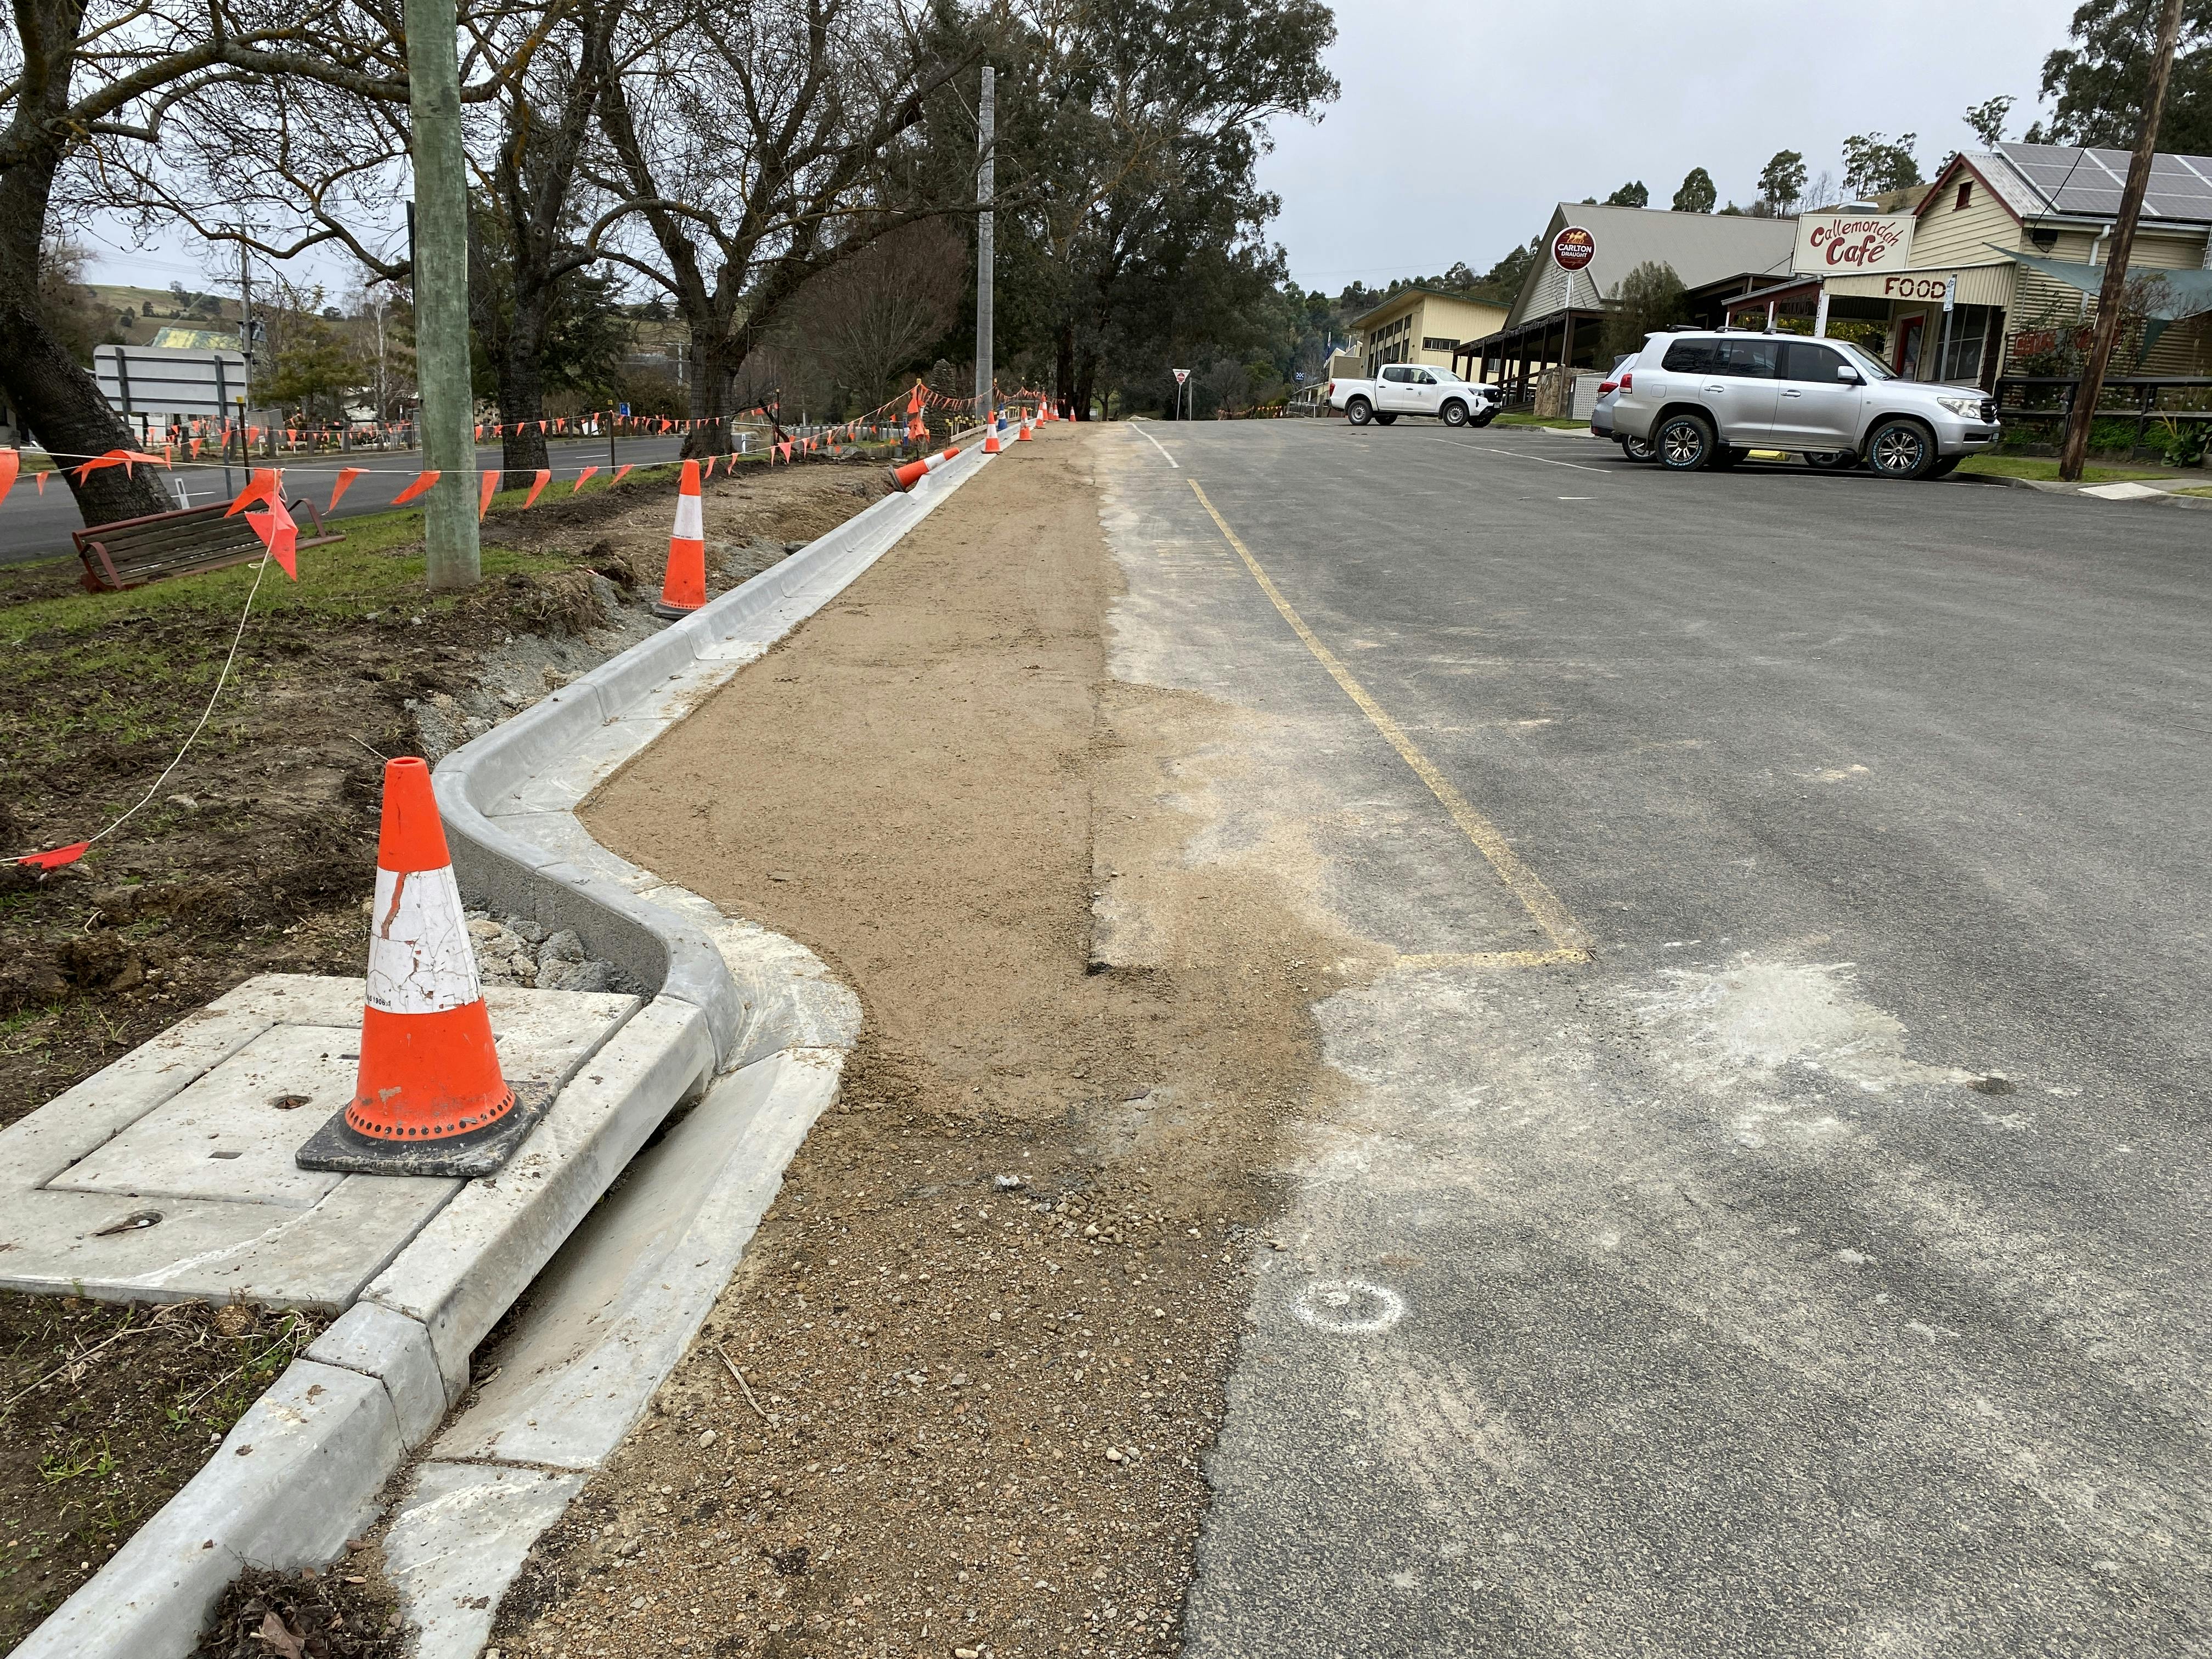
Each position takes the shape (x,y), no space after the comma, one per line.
(337,1145)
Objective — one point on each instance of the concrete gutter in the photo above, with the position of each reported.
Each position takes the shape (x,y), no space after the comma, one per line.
(749,1020)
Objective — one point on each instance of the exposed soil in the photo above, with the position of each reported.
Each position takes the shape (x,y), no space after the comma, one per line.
(258,857)
(105,1412)
(954,1402)
(260,850)
(346,1612)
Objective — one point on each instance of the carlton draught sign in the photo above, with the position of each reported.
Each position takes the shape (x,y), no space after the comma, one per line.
(1852,245)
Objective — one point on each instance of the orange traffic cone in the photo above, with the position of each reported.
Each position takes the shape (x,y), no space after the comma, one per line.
(1022,434)
(684,590)
(907,476)
(991,444)
(428,1098)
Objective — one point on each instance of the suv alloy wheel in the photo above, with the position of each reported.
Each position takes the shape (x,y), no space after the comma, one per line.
(1684,442)
(1358,411)
(1637,449)
(1455,413)
(1901,449)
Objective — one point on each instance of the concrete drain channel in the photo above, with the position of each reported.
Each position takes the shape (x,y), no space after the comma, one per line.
(168,1176)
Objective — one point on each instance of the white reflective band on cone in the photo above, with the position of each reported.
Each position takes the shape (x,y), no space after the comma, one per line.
(690,526)
(420,958)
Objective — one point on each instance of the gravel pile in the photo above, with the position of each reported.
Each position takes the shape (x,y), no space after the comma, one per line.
(512,951)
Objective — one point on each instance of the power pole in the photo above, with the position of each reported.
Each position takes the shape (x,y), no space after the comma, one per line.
(2110,297)
(986,252)
(442,296)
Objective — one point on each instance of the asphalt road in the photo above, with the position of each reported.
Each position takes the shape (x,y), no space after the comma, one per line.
(1819,1266)
(36,524)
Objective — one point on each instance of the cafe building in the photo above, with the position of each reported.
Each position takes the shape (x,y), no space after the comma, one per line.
(1996,268)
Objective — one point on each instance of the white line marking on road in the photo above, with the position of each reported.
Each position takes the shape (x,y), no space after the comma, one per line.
(1578,498)
(1158,445)
(1542,459)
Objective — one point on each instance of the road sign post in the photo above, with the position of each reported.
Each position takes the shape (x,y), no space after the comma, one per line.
(1183,379)
(1572,250)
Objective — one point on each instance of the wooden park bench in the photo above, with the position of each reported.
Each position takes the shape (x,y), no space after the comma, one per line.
(132,552)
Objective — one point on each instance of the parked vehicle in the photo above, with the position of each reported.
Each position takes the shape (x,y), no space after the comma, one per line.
(1708,399)
(1608,394)
(1416,389)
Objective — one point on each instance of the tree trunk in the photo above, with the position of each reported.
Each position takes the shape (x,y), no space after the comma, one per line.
(58,400)
(522,394)
(715,358)
(1063,370)
(1086,378)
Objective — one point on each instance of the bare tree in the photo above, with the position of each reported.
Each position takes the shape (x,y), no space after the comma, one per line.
(753,149)
(870,316)
(89,82)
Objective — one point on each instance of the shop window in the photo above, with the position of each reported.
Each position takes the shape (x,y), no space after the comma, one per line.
(1966,194)
(1958,359)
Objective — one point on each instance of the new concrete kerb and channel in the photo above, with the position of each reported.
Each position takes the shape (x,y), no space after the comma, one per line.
(747,1024)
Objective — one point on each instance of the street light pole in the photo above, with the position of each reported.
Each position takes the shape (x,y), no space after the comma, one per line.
(442,296)
(986,250)
(2114,289)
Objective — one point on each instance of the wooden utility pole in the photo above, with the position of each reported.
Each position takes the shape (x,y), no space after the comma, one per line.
(440,276)
(2109,298)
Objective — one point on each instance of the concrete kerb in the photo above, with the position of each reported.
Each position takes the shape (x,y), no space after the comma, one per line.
(303,1469)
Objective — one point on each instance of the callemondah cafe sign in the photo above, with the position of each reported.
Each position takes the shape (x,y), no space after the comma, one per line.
(1842,243)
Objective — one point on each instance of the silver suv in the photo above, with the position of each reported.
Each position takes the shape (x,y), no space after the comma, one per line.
(1708,399)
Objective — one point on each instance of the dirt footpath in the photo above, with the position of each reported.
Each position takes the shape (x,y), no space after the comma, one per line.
(983,1333)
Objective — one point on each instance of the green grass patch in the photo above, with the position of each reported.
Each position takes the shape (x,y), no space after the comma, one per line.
(2046,472)
(1551,423)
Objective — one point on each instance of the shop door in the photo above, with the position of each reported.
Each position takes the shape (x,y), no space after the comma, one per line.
(1909,334)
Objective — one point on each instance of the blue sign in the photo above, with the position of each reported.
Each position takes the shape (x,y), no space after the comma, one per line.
(625,411)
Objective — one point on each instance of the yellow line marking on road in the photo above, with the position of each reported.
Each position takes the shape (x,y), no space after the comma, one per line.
(1568,941)
(1490,958)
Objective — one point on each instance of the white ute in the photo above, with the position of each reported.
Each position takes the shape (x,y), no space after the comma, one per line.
(1415,389)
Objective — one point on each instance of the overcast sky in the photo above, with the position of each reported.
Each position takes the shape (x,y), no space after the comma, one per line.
(1462,122)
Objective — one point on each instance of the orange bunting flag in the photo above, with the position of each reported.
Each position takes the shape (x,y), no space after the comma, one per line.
(43,477)
(346,476)
(627,466)
(422,482)
(122,458)
(60,855)
(196,448)
(580,477)
(278,534)
(479,431)
(544,475)
(484,498)
(261,487)
(11,462)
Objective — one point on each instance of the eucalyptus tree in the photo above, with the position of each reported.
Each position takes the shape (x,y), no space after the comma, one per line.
(1129,139)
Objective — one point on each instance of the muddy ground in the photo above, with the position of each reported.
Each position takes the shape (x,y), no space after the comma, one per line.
(955,1399)
(256,855)
(105,1412)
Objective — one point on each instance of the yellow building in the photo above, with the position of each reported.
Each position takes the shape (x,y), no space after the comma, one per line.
(1422,325)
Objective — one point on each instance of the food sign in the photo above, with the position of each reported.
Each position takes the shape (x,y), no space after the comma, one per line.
(1852,245)
(1573,248)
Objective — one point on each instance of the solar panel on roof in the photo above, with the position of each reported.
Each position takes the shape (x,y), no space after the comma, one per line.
(2092,181)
